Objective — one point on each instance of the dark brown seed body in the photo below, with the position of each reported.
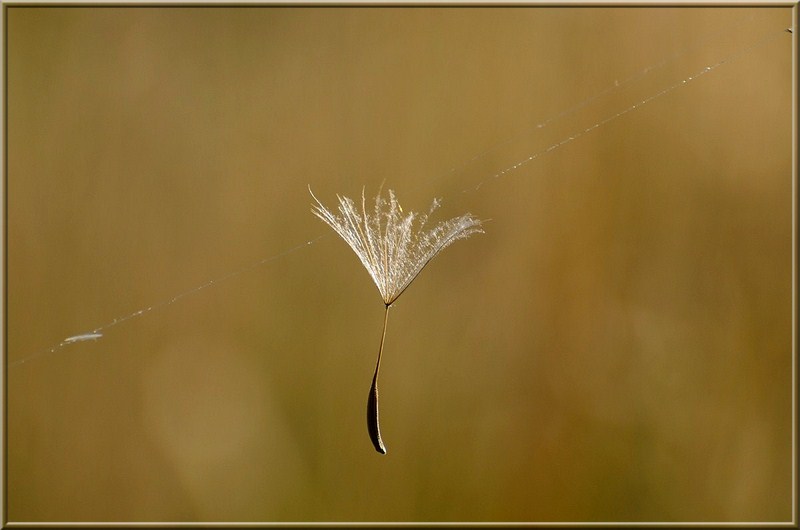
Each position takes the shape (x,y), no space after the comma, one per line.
(373,424)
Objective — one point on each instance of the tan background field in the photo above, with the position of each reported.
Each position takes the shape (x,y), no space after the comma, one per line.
(616,346)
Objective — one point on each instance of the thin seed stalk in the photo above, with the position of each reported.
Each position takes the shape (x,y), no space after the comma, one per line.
(373,422)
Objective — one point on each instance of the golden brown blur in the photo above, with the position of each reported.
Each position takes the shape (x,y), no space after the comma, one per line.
(615,347)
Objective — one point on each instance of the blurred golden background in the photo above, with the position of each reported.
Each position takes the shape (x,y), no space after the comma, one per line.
(616,347)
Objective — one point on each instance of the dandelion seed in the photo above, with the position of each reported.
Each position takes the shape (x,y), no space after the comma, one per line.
(394,247)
